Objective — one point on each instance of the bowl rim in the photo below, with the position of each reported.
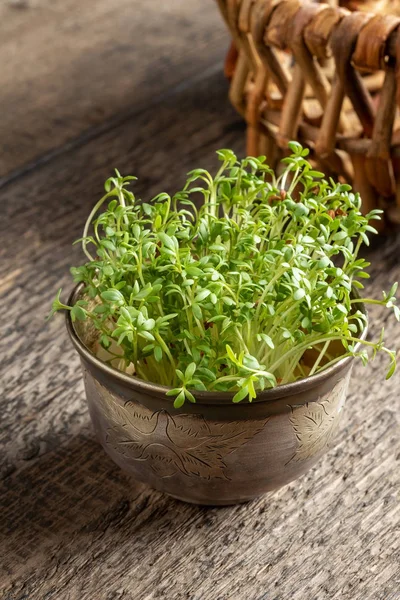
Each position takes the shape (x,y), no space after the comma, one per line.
(214,398)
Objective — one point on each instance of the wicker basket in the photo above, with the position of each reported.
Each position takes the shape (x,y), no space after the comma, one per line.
(325,76)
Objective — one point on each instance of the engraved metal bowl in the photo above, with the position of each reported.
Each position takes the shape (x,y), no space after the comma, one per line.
(212,452)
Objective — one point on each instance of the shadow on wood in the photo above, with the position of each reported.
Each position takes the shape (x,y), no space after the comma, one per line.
(70,498)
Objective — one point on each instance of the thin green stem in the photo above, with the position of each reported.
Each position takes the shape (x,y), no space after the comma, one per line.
(320,357)
(89,221)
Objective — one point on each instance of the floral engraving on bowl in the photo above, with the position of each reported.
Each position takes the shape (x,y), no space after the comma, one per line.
(184,443)
(315,423)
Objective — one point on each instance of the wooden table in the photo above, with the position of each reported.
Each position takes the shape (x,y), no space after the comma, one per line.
(86,87)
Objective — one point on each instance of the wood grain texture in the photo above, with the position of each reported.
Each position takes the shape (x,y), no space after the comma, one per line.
(72,525)
(69,65)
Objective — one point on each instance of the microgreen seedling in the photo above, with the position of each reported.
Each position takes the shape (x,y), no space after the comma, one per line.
(228,284)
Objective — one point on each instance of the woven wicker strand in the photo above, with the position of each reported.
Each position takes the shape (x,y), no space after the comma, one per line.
(326,76)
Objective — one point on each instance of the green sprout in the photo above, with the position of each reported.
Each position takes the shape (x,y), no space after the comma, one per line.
(237,283)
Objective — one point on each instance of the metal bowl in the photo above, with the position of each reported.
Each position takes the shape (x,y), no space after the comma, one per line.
(212,452)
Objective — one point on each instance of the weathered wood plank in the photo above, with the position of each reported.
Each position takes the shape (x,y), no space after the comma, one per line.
(69,65)
(73,525)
